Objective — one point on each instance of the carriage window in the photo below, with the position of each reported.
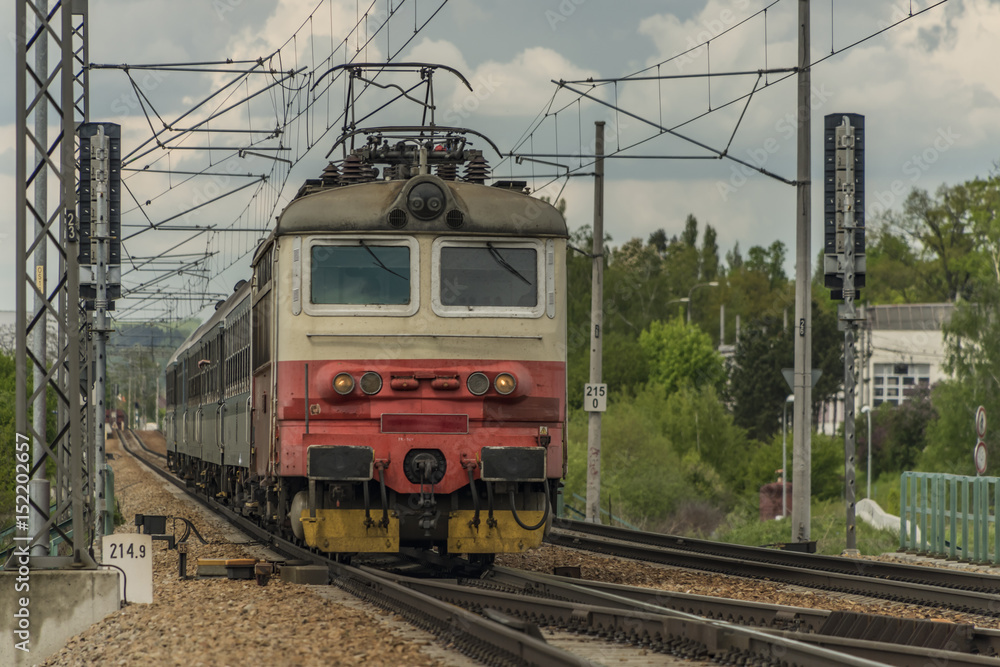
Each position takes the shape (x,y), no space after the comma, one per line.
(360,275)
(490,278)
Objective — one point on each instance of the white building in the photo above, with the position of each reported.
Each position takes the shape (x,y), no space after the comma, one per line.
(903,348)
(906,349)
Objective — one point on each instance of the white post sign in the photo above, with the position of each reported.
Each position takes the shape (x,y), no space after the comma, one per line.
(595,397)
(133,553)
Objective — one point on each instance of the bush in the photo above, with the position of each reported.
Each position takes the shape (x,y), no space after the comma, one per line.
(656,459)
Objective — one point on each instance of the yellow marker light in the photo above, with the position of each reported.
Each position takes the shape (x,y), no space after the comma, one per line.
(505,383)
(343,384)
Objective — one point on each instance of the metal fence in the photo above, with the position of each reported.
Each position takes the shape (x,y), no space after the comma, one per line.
(952,516)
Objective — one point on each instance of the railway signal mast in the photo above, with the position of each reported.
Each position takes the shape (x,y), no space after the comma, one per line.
(100,261)
(844,264)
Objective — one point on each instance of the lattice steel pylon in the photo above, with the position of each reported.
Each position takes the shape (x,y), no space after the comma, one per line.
(63,89)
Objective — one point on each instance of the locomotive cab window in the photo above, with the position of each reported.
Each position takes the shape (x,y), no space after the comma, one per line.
(488,278)
(369,276)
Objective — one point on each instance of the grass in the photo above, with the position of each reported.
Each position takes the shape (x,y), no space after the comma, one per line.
(827,526)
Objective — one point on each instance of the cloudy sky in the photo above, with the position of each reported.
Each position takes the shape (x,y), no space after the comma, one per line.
(927,88)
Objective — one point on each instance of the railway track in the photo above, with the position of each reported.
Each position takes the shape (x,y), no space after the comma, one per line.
(471,634)
(495,618)
(645,617)
(968,592)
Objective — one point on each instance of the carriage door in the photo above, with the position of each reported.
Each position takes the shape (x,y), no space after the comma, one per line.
(261,344)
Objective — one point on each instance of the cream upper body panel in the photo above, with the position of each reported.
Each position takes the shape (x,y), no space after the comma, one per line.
(423,328)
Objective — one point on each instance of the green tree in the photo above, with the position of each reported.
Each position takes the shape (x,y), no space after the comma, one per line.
(757,387)
(698,423)
(679,354)
(7,436)
(624,366)
(760,466)
(689,236)
(634,285)
(951,436)
(651,466)
(948,232)
(899,433)
(893,269)
(972,340)
(769,261)
(709,255)
(658,240)
(734,260)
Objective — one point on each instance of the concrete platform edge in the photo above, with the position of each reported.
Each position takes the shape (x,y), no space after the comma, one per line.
(48,607)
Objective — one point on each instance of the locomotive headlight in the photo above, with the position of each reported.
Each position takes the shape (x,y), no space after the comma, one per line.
(478,384)
(371,383)
(505,383)
(426,201)
(343,384)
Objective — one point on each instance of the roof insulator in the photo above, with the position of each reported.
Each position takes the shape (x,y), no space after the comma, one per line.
(447,171)
(477,170)
(331,175)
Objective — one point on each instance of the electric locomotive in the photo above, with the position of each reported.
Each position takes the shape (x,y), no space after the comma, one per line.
(394,374)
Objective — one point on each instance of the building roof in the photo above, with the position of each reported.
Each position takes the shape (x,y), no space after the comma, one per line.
(909,316)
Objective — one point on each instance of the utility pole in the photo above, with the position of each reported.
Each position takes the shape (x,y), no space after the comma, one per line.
(593,509)
(802,432)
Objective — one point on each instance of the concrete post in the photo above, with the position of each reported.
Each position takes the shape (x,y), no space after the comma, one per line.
(802,431)
(593,509)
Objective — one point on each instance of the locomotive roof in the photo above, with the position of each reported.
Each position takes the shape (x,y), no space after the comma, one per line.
(364,207)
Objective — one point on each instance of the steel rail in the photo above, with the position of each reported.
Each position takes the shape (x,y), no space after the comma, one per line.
(666,631)
(975,602)
(902,572)
(963,638)
(589,591)
(482,638)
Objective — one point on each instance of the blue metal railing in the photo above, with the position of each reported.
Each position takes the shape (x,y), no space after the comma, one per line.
(953,514)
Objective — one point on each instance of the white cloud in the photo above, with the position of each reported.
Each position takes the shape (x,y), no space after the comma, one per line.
(337,18)
(518,87)
(438,51)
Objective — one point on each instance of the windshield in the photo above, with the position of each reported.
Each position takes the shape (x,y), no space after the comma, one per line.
(489,275)
(362,274)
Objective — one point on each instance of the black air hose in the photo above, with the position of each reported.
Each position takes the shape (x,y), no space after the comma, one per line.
(545,512)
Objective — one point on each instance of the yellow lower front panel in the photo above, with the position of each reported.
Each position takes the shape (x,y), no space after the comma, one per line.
(506,537)
(344,531)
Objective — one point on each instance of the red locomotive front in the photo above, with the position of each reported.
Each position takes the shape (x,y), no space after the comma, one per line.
(409,371)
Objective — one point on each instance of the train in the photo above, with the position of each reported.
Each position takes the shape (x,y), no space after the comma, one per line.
(393,375)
